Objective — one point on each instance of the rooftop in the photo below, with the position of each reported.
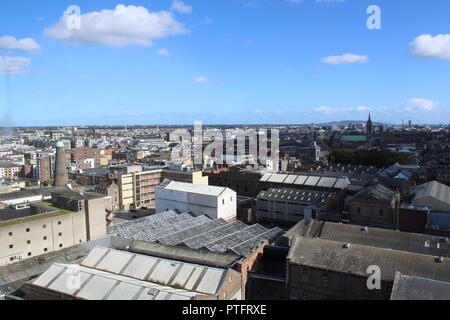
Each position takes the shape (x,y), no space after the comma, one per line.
(414,288)
(355,259)
(307,197)
(9,216)
(192,188)
(318,180)
(200,233)
(374,237)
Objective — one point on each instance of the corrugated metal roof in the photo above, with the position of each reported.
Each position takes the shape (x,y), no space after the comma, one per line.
(156,270)
(277,178)
(100,285)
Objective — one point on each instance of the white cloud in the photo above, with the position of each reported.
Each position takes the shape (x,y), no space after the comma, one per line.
(181,7)
(11,43)
(332,111)
(420,104)
(164,52)
(123,26)
(427,46)
(347,58)
(208,20)
(203,79)
(14,65)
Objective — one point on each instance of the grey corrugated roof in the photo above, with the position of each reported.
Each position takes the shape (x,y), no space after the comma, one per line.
(178,237)
(173,229)
(100,285)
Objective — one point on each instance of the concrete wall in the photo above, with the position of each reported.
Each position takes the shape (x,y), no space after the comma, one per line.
(45,235)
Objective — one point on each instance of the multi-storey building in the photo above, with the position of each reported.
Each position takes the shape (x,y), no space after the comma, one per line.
(32,229)
(138,188)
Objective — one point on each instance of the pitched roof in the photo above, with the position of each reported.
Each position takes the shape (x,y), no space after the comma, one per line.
(377,191)
(436,190)
(414,288)
(356,259)
(201,233)
(374,237)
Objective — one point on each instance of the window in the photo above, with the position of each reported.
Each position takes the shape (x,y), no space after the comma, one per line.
(28,230)
(29,254)
(11,259)
(325,280)
(60,245)
(45,238)
(44,226)
(381,212)
(223,201)
(59,223)
(11,246)
(28,241)
(358,210)
(10,234)
(45,249)
(60,234)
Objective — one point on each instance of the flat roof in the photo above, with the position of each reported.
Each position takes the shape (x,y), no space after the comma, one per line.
(193,188)
(9,216)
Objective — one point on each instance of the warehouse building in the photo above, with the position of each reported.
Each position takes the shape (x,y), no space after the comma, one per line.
(215,202)
(32,229)
(286,207)
(109,274)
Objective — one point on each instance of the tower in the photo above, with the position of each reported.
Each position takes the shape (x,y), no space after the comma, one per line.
(369,128)
(61,174)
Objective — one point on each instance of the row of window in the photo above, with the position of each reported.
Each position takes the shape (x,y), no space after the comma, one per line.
(29,241)
(29,230)
(380,212)
(30,254)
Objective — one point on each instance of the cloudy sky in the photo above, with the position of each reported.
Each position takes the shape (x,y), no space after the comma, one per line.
(223,61)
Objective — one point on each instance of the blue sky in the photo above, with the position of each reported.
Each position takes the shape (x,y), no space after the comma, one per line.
(223,62)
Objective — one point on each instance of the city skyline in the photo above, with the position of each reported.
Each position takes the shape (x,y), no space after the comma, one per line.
(231,62)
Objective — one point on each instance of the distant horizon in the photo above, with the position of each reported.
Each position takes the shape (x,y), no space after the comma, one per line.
(330,123)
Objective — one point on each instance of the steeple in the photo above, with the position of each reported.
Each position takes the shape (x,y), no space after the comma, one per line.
(369,128)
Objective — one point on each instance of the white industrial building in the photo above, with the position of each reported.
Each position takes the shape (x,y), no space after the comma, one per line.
(214,202)
(110,274)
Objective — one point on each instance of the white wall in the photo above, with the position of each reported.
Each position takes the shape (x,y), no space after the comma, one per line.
(223,206)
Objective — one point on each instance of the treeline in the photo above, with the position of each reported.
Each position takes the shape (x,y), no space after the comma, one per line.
(376,158)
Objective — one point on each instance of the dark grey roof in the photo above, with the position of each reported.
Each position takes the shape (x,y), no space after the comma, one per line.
(377,191)
(204,257)
(414,288)
(307,197)
(356,259)
(8,213)
(375,237)
(46,192)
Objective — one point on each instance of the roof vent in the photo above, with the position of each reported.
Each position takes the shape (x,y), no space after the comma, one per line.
(365,229)
(446,239)
(440,260)
(346,246)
